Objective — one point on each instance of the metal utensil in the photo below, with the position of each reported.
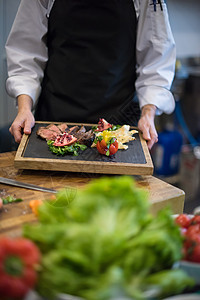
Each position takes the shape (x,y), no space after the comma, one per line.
(26,185)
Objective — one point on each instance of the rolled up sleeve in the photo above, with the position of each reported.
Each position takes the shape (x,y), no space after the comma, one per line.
(156,57)
(26,50)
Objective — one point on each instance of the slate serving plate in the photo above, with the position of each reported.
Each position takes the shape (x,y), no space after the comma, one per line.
(33,153)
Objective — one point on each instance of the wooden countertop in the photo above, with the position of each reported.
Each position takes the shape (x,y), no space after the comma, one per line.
(14,215)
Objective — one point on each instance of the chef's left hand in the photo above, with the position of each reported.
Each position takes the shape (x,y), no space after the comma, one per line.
(147,126)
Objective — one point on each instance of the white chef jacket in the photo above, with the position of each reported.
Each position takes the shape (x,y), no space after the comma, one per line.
(27,52)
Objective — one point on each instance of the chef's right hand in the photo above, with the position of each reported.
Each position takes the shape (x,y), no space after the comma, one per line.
(24,120)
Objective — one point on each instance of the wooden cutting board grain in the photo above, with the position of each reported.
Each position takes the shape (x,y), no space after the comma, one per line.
(14,215)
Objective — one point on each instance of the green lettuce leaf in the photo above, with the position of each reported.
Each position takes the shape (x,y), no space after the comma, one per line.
(101,241)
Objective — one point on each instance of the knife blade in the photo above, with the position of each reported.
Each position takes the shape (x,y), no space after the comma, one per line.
(26,185)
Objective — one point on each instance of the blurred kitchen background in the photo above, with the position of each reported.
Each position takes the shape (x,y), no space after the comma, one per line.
(176,156)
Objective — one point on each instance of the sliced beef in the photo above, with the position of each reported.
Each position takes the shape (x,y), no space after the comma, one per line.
(79,134)
(63,127)
(83,136)
(73,130)
(86,138)
(55,128)
(51,132)
(46,133)
(89,138)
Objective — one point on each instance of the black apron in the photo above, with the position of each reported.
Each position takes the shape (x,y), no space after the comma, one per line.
(90,72)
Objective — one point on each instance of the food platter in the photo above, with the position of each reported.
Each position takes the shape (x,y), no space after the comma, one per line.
(33,153)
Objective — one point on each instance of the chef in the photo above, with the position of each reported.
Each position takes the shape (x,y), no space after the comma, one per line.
(81,60)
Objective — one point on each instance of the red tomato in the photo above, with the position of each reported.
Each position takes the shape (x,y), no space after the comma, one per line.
(109,148)
(18,258)
(113,147)
(191,240)
(102,147)
(183,231)
(194,256)
(195,220)
(183,220)
(193,229)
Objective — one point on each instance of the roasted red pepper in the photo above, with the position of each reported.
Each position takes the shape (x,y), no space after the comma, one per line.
(108,148)
(18,259)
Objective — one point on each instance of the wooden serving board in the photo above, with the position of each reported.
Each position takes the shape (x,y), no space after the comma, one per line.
(33,153)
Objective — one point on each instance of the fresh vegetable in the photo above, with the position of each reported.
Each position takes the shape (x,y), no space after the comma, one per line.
(106,147)
(18,260)
(113,146)
(191,246)
(64,139)
(1,203)
(101,145)
(194,255)
(193,229)
(72,149)
(34,204)
(103,125)
(10,199)
(123,135)
(104,242)
(114,127)
(183,220)
(195,220)
(167,280)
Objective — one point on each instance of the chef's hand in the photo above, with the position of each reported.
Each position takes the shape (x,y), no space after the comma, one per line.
(24,120)
(147,126)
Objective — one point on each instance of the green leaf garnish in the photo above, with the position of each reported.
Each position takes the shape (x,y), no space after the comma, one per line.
(112,140)
(72,149)
(94,128)
(98,139)
(107,153)
(11,199)
(114,127)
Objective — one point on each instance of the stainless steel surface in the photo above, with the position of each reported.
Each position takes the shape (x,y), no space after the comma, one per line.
(26,185)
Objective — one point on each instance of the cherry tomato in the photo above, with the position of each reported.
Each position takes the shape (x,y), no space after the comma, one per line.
(194,255)
(195,220)
(113,147)
(183,220)
(183,231)
(102,147)
(193,229)
(190,228)
(109,148)
(191,240)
